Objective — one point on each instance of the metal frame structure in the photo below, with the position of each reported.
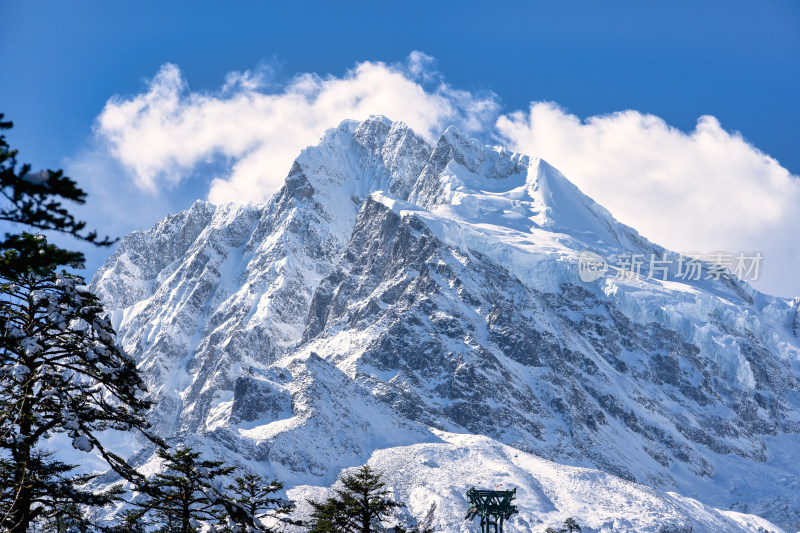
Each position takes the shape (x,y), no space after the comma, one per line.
(493,506)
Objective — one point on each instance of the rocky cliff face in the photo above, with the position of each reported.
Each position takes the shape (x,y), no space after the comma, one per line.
(393,290)
(216,288)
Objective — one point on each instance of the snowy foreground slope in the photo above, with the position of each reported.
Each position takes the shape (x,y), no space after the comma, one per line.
(431,480)
(395,297)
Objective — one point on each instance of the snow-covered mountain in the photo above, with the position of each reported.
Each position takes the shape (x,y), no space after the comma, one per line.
(410,303)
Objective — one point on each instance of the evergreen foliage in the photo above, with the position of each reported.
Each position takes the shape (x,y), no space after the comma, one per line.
(358,507)
(257,499)
(570,526)
(34,198)
(187,495)
(60,372)
(60,369)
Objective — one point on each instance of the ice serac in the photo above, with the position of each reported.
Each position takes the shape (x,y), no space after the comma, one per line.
(396,292)
(456,157)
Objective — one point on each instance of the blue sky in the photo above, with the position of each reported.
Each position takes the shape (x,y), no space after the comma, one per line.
(736,61)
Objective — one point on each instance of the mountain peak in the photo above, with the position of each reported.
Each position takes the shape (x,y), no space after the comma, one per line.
(394,285)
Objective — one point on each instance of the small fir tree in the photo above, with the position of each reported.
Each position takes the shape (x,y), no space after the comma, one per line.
(570,526)
(188,495)
(358,507)
(257,499)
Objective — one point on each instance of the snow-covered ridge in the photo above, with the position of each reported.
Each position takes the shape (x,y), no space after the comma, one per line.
(436,286)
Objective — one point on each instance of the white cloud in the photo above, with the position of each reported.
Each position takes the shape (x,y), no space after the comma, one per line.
(161,134)
(707,190)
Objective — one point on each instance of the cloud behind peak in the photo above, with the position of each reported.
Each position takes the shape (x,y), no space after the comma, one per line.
(703,190)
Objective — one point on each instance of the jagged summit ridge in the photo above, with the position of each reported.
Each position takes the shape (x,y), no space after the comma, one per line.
(435,286)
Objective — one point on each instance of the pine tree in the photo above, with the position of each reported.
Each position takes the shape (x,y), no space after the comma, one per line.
(332,516)
(572,526)
(61,372)
(53,334)
(257,499)
(65,517)
(358,507)
(130,521)
(187,494)
(56,496)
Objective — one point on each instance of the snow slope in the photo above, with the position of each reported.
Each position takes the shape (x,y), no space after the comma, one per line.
(432,479)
